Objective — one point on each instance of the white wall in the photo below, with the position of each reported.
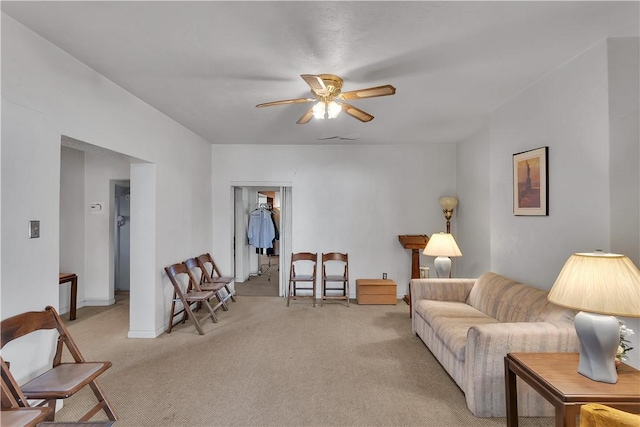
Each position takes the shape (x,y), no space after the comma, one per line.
(472,216)
(568,112)
(46,94)
(624,166)
(354,199)
(624,144)
(72,224)
(586,112)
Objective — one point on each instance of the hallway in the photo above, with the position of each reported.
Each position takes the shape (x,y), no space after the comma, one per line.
(266,284)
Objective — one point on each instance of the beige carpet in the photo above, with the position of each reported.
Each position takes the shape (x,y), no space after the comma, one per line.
(266,284)
(265,364)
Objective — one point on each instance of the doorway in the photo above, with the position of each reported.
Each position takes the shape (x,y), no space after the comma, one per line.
(260,271)
(121,236)
(89,175)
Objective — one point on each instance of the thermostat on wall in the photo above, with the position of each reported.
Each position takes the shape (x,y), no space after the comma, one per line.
(95,207)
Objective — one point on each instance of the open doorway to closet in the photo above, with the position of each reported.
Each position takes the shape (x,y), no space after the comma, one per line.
(262,236)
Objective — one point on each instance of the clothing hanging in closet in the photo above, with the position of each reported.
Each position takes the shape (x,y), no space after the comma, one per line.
(262,230)
(272,251)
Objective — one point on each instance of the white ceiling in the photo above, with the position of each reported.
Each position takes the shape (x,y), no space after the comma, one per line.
(206,64)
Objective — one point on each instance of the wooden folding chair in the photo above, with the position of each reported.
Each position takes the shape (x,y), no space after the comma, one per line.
(338,260)
(199,272)
(191,294)
(214,276)
(64,379)
(297,280)
(15,408)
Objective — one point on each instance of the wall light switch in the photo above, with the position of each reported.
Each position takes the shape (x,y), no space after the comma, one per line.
(34,229)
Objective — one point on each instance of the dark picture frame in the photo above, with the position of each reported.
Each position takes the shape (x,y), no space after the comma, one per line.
(531,182)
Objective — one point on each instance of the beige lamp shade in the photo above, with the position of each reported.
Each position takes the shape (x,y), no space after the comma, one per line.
(442,244)
(598,283)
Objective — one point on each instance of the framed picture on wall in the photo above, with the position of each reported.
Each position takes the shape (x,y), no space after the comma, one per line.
(531,182)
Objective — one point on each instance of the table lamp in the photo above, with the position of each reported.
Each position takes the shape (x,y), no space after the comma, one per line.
(601,285)
(442,246)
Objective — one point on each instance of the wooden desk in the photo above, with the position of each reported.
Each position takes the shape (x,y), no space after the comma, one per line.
(555,376)
(70,277)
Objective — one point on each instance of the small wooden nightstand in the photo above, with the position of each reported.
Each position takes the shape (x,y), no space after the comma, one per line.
(555,376)
(376,291)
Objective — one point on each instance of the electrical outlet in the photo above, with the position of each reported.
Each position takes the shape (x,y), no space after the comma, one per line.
(34,229)
(384,276)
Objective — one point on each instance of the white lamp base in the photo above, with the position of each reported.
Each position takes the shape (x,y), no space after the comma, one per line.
(599,337)
(443,266)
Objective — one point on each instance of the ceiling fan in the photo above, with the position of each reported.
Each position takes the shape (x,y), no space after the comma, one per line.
(329,100)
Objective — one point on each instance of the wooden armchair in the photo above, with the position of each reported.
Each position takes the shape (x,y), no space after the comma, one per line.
(64,379)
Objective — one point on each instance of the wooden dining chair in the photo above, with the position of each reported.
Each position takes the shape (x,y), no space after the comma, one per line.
(64,379)
(306,261)
(15,410)
(330,262)
(198,273)
(211,274)
(187,293)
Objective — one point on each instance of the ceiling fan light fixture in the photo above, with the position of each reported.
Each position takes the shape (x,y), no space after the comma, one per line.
(318,110)
(327,88)
(333,109)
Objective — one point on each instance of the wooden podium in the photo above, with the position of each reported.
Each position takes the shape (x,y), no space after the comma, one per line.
(416,243)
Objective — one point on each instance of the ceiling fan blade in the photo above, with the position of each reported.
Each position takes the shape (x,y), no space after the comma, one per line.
(368,93)
(285,101)
(316,84)
(306,117)
(357,113)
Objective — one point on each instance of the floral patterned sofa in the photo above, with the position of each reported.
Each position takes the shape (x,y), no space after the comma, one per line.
(470,325)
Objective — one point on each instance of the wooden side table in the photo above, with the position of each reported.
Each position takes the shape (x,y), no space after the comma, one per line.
(70,277)
(376,291)
(555,376)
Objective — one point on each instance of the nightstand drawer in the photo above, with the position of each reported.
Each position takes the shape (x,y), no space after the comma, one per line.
(376,291)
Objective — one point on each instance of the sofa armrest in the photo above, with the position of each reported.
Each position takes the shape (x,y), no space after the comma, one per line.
(456,290)
(486,347)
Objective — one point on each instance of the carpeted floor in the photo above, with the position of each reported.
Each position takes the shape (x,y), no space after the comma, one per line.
(266,284)
(265,364)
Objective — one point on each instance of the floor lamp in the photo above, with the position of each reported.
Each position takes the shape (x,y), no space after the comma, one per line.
(448,204)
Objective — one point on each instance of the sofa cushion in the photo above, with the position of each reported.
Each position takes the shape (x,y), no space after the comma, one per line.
(453,331)
(506,300)
(431,309)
